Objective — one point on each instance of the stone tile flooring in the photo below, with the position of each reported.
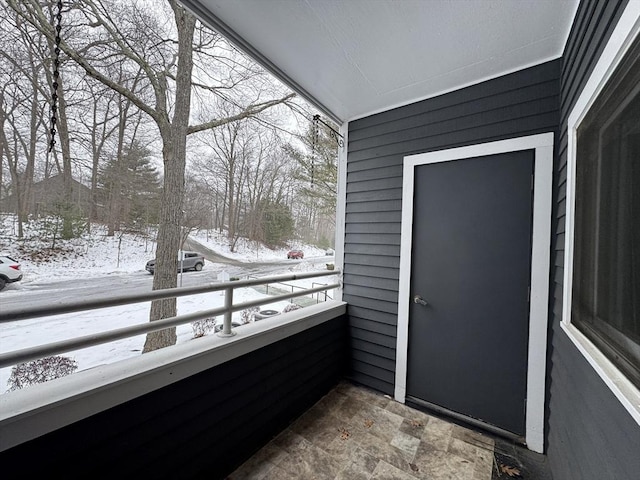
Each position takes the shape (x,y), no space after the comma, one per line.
(353,433)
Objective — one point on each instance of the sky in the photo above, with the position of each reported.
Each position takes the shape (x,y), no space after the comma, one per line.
(100,256)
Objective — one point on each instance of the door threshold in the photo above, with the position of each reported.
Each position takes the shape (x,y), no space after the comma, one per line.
(478,424)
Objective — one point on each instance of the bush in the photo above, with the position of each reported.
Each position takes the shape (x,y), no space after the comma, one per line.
(290,307)
(203,326)
(40,371)
(248,315)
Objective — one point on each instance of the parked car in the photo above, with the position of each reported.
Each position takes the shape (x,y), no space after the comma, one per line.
(188,260)
(9,271)
(295,254)
(330,251)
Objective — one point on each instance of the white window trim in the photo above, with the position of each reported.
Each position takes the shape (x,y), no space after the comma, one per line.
(623,36)
(540,253)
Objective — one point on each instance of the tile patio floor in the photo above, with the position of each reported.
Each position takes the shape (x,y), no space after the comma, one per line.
(353,433)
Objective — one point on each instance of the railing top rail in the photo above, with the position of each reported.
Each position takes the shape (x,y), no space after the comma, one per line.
(112,301)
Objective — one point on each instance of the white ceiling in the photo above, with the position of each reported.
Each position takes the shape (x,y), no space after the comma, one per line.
(356,57)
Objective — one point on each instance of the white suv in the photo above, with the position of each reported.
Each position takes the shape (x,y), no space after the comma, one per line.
(188,261)
(9,271)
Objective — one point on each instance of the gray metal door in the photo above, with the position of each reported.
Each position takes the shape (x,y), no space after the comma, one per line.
(472,225)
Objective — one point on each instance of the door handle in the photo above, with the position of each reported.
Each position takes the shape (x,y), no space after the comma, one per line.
(419,300)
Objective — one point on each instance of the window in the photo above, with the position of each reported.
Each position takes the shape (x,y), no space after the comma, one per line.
(606,263)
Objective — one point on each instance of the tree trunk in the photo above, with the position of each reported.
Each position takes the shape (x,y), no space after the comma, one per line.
(115,193)
(174,153)
(12,161)
(27,178)
(67,178)
(3,144)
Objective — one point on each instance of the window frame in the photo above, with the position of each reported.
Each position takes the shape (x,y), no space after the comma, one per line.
(625,33)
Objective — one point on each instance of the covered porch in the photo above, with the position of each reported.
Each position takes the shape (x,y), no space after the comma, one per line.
(322,392)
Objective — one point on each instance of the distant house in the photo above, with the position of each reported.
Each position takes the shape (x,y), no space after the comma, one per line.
(48,194)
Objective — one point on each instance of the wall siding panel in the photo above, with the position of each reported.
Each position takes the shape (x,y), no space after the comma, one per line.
(382,239)
(518,104)
(367,314)
(590,435)
(371,281)
(201,427)
(380,341)
(371,272)
(380,206)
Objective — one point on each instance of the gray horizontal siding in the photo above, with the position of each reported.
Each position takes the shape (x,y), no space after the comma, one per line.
(201,427)
(513,127)
(522,103)
(364,339)
(372,303)
(599,438)
(373,217)
(459,119)
(356,175)
(382,183)
(372,272)
(381,206)
(379,318)
(371,259)
(590,434)
(381,239)
(368,228)
(372,249)
(372,281)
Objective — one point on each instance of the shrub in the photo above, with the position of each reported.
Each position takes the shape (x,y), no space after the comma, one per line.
(248,315)
(290,307)
(203,326)
(40,371)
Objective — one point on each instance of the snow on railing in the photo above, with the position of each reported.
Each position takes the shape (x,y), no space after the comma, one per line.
(33,353)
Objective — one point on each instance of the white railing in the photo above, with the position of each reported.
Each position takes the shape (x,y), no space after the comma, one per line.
(33,353)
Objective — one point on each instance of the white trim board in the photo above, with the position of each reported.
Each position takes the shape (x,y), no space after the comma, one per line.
(341,206)
(625,33)
(542,144)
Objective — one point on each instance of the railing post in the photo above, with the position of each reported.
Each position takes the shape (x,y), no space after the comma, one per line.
(228,303)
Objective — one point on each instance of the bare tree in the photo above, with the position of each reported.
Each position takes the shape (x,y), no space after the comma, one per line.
(21,115)
(99,123)
(316,176)
(248,175)
(128,31)
(232,146)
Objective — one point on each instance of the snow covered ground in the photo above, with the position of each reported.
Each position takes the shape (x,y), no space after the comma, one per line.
(98,255)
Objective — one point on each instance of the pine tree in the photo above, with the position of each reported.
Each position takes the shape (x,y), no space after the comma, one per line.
(132,185)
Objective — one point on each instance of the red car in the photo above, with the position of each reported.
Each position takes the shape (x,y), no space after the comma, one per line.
(295,254)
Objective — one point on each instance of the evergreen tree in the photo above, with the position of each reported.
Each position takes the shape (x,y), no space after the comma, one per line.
(132,185)
(277,223)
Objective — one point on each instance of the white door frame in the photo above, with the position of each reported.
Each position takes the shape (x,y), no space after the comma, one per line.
(540,259)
